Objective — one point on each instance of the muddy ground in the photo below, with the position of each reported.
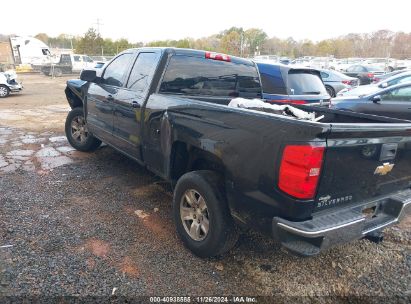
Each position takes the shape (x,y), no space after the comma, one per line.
(78,224)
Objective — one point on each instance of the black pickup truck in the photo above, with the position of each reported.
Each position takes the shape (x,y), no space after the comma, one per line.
(309,184)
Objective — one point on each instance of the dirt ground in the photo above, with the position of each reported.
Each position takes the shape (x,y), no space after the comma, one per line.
(78,224)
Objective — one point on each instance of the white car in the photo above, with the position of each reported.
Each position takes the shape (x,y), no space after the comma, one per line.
(8,83)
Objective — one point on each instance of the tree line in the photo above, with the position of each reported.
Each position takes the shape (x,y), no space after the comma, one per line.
(249,42)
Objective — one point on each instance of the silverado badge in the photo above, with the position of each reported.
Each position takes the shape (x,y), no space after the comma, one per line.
(384,169)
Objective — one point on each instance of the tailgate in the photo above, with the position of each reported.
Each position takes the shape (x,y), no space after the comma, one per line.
(364,161)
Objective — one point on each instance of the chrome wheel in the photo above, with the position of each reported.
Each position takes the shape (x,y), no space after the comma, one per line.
(194,215)
(79,130)
(3,91)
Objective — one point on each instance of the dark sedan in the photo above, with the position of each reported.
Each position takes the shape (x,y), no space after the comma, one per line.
(394,101)
(365,73)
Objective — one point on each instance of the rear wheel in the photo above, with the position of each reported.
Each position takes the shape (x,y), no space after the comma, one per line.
(57,72)
(201,214)
(330,91)
(4,91)
(77,132)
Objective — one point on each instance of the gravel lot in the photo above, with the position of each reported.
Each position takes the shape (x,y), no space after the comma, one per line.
(89,224)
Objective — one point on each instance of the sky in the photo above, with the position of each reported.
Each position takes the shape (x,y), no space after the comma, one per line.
(150,20)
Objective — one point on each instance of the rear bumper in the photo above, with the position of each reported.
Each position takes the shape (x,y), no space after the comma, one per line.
(334,227)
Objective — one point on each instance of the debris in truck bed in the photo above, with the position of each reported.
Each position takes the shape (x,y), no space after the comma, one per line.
(277,109)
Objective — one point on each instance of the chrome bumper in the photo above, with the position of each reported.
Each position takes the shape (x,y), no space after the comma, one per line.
(332,227)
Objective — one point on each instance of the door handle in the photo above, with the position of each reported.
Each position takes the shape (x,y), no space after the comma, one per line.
(135,104)
(110,98)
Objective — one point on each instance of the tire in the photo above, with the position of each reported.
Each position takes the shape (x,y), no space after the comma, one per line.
(222,234)
(330,91)
(77,133)
(57,72)
(4,91)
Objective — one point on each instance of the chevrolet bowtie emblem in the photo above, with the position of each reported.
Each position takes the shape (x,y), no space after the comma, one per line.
(384,169)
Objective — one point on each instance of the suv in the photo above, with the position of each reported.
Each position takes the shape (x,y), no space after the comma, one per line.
(292,85)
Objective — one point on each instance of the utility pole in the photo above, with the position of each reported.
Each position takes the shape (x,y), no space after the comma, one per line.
(98,23)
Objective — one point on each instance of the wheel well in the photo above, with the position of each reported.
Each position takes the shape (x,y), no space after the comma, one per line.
(73,100)
(186,158)
(331,88)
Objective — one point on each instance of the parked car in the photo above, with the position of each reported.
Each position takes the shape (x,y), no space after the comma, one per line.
(384,63)
(341,65)
(168,110)
(292,85)
(364,72)
(8,83)
(394,101)
(379,78)
(68,64)
(335,81)
(374,87)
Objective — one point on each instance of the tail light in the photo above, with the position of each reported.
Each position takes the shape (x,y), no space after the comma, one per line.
(300,170)
(217,56)
(370,75)
(289,101)
(348,82)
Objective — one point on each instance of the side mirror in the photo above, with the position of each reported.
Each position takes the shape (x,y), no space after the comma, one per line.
(376,99)
(383,85)
(88,75)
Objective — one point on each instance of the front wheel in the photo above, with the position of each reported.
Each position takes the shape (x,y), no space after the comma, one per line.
(201,214)
(77,132)
(4,91)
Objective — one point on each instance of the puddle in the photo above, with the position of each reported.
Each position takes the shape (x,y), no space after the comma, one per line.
(29,166)
(10,168)
(47,152)
(3,162)
(48,163)
(20,153)
(5,131)
(65,149)
(33,140)
(38,155)
(58,139)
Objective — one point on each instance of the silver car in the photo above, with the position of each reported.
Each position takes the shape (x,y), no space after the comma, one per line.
(8,83)
(335,81)
(382,84)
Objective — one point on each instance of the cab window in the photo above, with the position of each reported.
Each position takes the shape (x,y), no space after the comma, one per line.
(115,72)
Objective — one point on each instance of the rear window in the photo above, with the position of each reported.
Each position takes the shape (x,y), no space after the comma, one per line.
(302,82)
(199,76)
(375,68)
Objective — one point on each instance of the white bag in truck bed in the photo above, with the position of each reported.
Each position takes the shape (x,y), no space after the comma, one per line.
(260,104)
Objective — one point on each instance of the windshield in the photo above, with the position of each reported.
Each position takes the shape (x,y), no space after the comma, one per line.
(305,82)
(375,68)
(396,79)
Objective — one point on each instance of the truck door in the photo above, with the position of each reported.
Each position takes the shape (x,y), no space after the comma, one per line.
(100,97)
(129,102)
(77,64)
